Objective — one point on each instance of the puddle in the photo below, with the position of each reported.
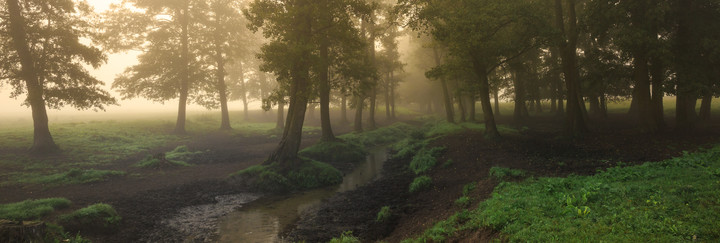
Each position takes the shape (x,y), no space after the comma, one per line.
(263,220)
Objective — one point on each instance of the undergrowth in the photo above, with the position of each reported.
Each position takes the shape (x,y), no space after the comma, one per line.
(670,201)
(98,215)
(346,237)
(72,176)
(176,157)
(270,178)
(420,183)
(335,151)
(32,209)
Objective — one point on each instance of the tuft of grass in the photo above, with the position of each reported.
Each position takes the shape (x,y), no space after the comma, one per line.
(669,201)
(467,188)
(32,209)
(336,151)
(176,157)
(425,159)
(383,215)
(501,173)
(383,135)
(72,176)
(270,178)
(346,237)
(98,215)
(463,201)
(420,183)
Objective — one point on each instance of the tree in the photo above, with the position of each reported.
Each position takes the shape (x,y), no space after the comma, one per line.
(162,29)
(41,54)
(567,45)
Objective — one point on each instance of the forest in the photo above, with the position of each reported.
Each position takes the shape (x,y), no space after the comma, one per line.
(359,121)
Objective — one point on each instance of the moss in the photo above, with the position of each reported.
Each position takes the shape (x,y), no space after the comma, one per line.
(97,216)
(270,178)
(32,209)
(336,151)
(420,183)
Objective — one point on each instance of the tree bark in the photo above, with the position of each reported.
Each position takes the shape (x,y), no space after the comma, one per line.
(343,109)
(575,119)
(658,78)
(705,107)
(388,81)
(461,106)
(327,133)
(520,112)
(491,131)
(358,113)
(280,122)
(497,101)
(685,115)
(446,94)
(220,73)
(642,92)
(185,69)
(42,139)
(392,96)
(471,108)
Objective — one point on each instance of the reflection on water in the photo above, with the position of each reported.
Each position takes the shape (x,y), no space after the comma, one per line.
(262,220)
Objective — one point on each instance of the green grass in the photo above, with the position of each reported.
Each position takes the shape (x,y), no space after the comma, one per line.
(72,176)
(269,178)
(97,215)
(336,151)
(670,201)
(346,237)
(32,209)
(383,215)
(501,173)
(443,128)
(176,157)
(380,136)
(463,201)
(420,183)
(425,159)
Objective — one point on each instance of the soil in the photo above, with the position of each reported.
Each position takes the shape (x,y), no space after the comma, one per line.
(148,199)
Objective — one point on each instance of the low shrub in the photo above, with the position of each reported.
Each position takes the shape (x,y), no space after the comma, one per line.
(463,201)
(32,209)
(501,173)
(420,183)
(346,237)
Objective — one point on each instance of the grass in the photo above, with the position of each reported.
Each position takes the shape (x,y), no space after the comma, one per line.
(336,151)
(346,237)
(380,136)
(72,176)
(176,157)
(32,209)
(670,201)
(425,159)
(98,215)
(270,178)
(501,173)
(420,183)
(383,215)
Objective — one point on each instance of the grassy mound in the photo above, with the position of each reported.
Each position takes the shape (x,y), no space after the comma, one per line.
(97,216)
(32,209)
(336,151)
(270,178)
(670,201)
(72,176)
(384,135)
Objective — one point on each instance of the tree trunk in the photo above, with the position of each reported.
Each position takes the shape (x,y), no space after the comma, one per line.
(327,133)
(538,106)
(42,139)
(280,122)
(491,131)
(705,106)
(358,113)
(286,152)
(471,107)
(642,92)
(686,98)
(496,95)
(575,124)
(658,77)
(461,107)
(595,110)
(392,96)
(371,111)
(519,114)
(388,83)
(343,109)
(446,94)
(184,71)
(220,74)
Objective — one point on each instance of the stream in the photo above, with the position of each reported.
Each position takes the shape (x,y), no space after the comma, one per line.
(263,219)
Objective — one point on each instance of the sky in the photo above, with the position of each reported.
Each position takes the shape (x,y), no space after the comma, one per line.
(13,108)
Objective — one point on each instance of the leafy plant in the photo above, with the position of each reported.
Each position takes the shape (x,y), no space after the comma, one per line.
(502,172)
(72,176)
(346,237)
(424,160)
(98,215)
(383,215)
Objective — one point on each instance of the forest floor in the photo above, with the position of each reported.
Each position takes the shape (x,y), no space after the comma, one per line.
(147,196)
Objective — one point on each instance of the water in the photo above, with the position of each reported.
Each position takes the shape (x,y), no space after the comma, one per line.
(262,220)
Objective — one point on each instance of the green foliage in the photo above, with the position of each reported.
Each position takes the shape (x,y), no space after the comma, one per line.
(420,183)
(447,164)
(346,237)
(72,176)
(408,147)
(468,188)
(93,216)
(425,159)
(335,151)
(670,201)
(383,215)
(443,128)
(32,209)
(501,172)
(309,175)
